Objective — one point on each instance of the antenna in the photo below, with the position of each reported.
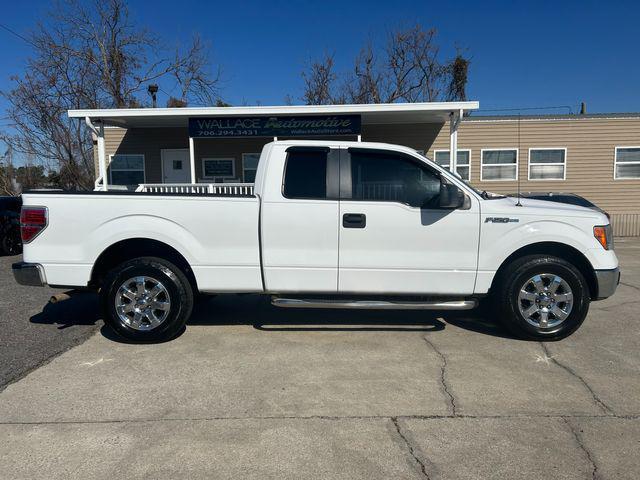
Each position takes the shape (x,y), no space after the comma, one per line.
(518,204)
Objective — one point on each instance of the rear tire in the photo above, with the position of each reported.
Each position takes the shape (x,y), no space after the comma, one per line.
(542,297)
(11,242)
(147,299)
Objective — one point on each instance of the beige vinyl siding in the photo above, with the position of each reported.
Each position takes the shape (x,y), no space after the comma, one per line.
(590,144)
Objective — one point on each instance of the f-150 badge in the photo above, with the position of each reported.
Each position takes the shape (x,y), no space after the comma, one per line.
(501,220)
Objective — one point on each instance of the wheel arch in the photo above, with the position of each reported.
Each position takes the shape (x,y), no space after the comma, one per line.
(131,248)
(561,250)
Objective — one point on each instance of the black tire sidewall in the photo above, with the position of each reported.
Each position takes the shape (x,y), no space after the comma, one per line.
(174,281)
(538,265)
(11,242)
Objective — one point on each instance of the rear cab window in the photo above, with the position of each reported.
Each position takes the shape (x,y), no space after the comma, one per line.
(310,173)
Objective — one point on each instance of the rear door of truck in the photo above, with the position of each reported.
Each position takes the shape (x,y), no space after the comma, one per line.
(299,219)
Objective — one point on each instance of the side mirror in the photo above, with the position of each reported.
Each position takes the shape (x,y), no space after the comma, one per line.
(451,197)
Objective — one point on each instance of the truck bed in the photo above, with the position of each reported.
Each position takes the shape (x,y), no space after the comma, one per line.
(215,232)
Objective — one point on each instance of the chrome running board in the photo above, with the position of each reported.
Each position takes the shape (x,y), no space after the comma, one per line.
(373,304)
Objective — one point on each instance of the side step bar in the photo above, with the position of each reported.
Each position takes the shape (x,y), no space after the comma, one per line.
(373,304)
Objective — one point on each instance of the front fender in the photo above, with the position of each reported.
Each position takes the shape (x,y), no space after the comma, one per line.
(499,241)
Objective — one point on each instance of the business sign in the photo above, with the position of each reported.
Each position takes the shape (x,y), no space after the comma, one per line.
(280,126)
(217,168)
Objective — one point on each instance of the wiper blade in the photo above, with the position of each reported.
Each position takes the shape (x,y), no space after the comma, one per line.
(491,196)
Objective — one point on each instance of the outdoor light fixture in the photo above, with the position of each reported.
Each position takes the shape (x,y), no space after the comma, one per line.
(153,89)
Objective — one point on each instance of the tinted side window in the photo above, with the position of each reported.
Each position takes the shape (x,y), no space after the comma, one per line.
(391,178)
(306,174)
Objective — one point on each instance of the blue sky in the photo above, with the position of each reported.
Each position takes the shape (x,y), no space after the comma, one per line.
(524,54)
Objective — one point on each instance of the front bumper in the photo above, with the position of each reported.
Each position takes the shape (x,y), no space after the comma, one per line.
(607,281)
(31,274)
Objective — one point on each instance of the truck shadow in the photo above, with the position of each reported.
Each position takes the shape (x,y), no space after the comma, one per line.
(257,312)
(79,309)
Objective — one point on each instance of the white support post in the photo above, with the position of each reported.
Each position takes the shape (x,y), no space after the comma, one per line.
(102,158)
(192,159)
(359,138)
(454,121)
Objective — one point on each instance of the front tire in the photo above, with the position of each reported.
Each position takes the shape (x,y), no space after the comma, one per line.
(147,299)
(542,297)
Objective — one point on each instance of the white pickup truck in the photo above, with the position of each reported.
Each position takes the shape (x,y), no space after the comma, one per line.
(329,225)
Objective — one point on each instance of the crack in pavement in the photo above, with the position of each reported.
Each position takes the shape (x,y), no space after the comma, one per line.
(412,452)
(580,443)
(443,377)
(630,285)
(322,417)
(596,399)
(617,305)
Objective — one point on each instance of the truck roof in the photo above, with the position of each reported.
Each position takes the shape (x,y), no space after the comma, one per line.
(342,143)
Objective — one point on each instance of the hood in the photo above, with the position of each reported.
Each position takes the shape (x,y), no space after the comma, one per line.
(508,206)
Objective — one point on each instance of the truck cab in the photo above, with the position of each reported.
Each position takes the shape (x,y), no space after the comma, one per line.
(365,219)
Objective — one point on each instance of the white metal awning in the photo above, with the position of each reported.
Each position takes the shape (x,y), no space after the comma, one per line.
(432,112)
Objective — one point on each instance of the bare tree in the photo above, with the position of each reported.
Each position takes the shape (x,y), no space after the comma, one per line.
(193,77)
(8,184)
(459,69)
(90,55)
(408,69)
(319,80)
(365,83)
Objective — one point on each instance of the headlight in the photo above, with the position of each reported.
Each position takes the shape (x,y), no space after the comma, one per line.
(604,235)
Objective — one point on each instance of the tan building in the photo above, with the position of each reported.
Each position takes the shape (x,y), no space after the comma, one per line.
(595,156)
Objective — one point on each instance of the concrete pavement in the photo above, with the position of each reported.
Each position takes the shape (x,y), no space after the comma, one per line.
(249,391)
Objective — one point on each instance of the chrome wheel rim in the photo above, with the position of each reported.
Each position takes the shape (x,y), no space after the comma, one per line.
(142,303)
(545,300)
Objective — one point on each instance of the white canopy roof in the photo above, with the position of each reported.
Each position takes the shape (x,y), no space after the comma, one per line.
(431,112)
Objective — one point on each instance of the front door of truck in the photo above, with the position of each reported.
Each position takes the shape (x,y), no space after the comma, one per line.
(299,223)
(393,237)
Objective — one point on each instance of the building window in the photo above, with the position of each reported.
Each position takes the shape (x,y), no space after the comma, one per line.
(249,167)
(443,159)
(126,169)
(499,165)
(547,163)
(627,163)
(218,168)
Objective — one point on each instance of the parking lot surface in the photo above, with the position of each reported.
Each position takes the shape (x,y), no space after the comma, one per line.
(250,391)
(31,331)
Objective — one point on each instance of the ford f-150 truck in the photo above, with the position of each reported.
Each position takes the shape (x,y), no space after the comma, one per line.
(328,225)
